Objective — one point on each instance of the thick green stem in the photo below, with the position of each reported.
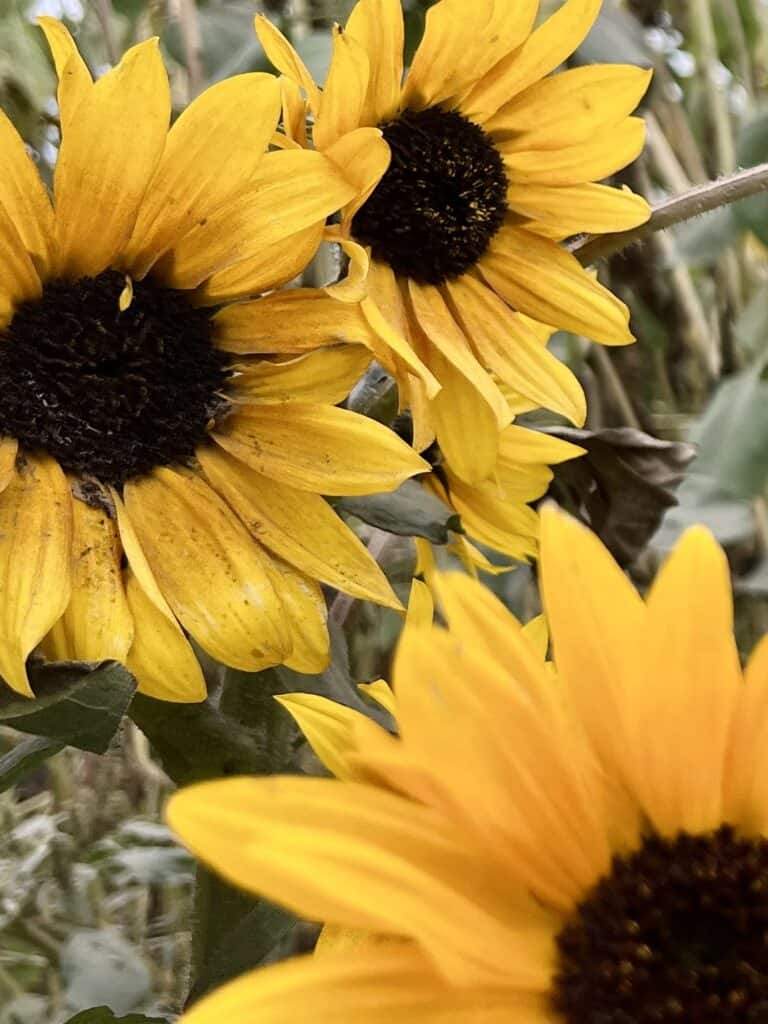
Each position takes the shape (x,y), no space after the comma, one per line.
(700,200)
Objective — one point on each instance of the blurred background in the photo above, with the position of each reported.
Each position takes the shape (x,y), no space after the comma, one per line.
(94,895)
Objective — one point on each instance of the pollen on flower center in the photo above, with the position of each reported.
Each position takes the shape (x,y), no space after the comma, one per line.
(678,931)
(441,201)
(106,392)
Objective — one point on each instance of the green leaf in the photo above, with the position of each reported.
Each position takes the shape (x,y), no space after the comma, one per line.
(730,519)
(700,242)
(375,395)
(732,435)
(77,703)
(103,1015)
(410,511)
(24,758)
(623,485)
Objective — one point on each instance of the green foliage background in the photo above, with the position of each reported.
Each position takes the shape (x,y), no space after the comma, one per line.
(88,875)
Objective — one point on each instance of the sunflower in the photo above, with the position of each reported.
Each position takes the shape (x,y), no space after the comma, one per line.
(493,162)
(160,476)
(568,845)
(496,512)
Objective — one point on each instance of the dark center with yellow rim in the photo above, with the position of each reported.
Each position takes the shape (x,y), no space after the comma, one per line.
(441,201)
(677,932)
(108,393)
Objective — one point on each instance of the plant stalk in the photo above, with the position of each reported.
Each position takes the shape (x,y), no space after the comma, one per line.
(699,200)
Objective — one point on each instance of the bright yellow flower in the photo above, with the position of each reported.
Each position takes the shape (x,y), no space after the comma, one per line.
(160,476)
(493,162)
(579,846)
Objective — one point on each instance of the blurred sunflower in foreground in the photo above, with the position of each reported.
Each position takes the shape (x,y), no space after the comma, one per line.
(157,477)
(487,162)
(583,844)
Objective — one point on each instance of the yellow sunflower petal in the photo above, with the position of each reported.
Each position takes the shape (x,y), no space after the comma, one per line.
(289,321)
(343,97)
(536,631)
(298,526)
(294,111)
(35,562)
(378,26)
(746,779)
(285,59)
(356,855)
(436,321)
(329,730)
(325,376)
(542,280)
(210,156)
(97,623)
(161,657)
(363,156)
(470,453)
(75,80)
(379,690)
(385,312)
(460,43)
(491,519)
(571,107)
(377,985)
(576,208)
(684,703)
(289,191)
(24,197)
(507,346)
(318,448)
(107,157)
(306,615)
(543,51)
(20,278)
(573,165)
(9,449)
(596,617)
(209,569)
(513,769)
(272,266)
(520,446)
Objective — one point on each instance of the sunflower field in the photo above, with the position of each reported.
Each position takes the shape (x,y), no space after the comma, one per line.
(383,511)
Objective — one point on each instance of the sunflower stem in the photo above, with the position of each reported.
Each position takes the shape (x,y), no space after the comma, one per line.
(699,200)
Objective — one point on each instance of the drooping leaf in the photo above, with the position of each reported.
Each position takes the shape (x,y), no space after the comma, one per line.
(623,485)
(79,704)
(24,758)
(375,395)
(700,500)
(410,511)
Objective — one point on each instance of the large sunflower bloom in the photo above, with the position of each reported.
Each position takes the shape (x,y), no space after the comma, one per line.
(156,483)
(583,845)
(493,162)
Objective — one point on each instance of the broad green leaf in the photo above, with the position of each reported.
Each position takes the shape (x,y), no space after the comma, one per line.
(78,704)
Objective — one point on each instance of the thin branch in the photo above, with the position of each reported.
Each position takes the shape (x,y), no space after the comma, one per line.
(699,200)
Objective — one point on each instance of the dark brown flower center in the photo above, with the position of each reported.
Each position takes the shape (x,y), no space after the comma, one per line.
(108,393)
(677,932)
(441,201)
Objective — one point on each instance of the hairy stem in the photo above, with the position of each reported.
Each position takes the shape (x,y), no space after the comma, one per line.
(702,199)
